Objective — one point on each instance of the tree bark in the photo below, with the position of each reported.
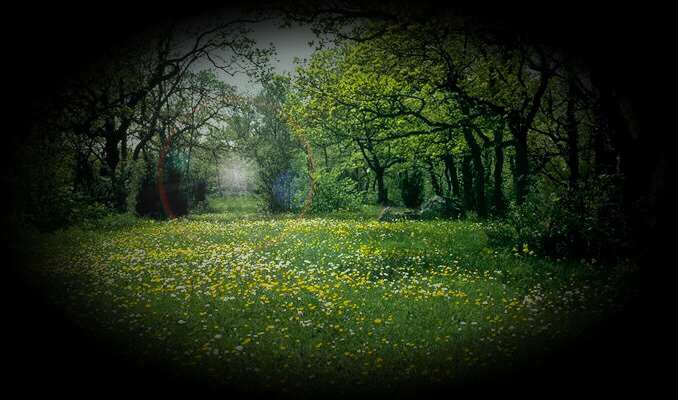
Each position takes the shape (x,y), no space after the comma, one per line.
(522,176)
(452,177)
(376,166)
(605,155)
(629,150)
(434,179)
(479,185)
(478,173)
(498,193)
(572,131)
(382,194)
(467,179)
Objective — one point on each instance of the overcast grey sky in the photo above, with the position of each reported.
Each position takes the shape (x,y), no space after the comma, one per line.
(289,42)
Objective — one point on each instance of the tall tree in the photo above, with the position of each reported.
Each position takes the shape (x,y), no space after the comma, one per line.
(514,73)
(104,98)
(336,94)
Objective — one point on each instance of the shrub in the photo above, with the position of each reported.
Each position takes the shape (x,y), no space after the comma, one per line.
(281,190)
(111,220)
(501,235)
(176,187)
(332,191)
(412,188)
(577,225)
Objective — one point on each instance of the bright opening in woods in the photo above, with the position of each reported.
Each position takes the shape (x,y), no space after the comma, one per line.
(384,200)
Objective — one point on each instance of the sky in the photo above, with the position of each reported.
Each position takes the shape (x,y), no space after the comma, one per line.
(289,42)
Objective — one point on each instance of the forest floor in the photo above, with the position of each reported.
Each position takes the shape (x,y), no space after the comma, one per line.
(312,306)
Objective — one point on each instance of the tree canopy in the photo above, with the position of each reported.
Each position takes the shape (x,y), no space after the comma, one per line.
(504,111)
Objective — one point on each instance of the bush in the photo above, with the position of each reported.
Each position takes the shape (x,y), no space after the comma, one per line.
(112,220)
(332,191)
(38,188)
(176,185)
(412,188)
(281,190)
(575,225)
(501,235)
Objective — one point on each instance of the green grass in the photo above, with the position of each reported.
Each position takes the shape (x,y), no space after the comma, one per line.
(336,304)
(234,205)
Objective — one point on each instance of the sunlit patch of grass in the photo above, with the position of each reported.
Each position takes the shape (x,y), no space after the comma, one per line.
(336,305)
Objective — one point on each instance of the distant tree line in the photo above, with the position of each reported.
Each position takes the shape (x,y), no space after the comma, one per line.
(543,134)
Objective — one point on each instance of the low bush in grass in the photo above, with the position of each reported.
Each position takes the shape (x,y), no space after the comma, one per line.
(575,225)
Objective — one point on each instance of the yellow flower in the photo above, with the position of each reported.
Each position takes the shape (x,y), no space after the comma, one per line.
(377,321)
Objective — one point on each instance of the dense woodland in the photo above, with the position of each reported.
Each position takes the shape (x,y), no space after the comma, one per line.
(540,122)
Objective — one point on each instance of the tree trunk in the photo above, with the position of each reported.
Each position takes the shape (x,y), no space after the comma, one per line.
(498,193)
(467,179)
(382,194)
(521,176)
(452,178)
(487,167)
(118,196)
(479,185)
(605,155)
(434,179)
(519,123)
(478,173)
(572,132)
(635,156)
(112,153)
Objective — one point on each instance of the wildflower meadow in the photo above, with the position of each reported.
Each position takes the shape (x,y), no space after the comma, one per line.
(339,200)
(337,304)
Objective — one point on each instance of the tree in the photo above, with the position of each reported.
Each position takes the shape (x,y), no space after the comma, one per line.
(263,133)
(182,129)
(330,97)
(488,72)
(135,82)
(412,188)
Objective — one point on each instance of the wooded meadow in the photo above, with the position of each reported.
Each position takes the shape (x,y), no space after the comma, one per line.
(542,127)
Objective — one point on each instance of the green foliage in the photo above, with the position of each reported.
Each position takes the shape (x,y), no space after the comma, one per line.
(280,189)
(101,218)
(332,191)
(412,187)
(586,224)
(265,137)
(264,189)
(149,201)
(39,190)
(501,235)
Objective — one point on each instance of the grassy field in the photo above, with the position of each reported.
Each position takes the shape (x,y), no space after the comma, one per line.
(338,304)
